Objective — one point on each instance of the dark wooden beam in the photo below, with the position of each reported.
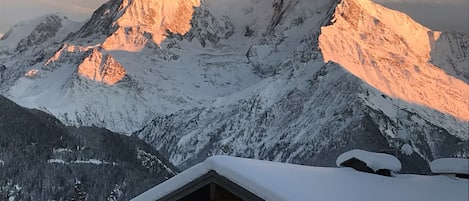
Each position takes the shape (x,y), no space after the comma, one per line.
(213,191)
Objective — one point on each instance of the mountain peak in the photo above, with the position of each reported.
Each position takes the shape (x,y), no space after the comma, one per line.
(146,20)
(101,68)
(392,53)
(28,34)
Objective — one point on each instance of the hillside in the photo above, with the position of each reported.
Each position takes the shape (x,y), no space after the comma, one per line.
(41,159)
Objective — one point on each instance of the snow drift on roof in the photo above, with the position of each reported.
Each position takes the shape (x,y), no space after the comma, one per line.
(375,161)
(274,181)
(450,165)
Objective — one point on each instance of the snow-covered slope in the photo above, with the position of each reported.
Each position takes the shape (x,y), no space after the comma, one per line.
(450,53)
(400,67)
(287,80)
(29,43)
(45,29)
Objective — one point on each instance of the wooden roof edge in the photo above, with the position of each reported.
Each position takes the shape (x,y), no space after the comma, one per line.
(211,177)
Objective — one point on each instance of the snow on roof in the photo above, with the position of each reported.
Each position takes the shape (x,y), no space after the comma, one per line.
(274,181)
(375,161)
(450,165)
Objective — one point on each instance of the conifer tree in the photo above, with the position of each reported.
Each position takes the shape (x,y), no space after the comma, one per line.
(79,194)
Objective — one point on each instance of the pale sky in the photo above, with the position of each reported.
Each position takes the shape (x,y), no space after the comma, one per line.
(436,14)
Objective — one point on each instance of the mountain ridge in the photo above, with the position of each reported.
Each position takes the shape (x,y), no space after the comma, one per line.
(412,40)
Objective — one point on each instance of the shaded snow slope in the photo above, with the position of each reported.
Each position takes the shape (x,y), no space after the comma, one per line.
(283,182)
(450,54)
(29,43)
(48,28)
(309,115)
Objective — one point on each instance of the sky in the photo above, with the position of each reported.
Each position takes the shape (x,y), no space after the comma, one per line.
(446,15)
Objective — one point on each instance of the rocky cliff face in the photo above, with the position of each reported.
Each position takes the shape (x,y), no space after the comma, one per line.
(286,80)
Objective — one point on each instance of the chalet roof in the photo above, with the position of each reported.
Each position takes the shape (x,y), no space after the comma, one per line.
(274,181)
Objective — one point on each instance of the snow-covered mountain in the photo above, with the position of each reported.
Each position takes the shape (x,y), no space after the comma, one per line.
(380,93)
(95,78)
(287,80)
